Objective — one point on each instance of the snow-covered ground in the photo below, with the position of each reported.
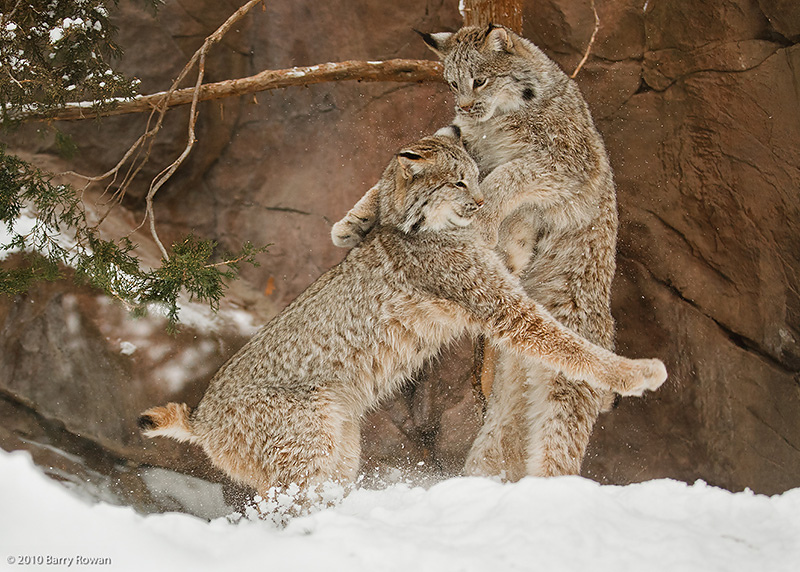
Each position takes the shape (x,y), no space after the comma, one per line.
(466,524)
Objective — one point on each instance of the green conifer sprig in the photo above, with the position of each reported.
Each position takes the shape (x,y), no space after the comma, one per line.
(190,268)
(54,51)
(59,236)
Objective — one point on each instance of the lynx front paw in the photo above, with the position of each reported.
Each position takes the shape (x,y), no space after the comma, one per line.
(643,374)
(347,234)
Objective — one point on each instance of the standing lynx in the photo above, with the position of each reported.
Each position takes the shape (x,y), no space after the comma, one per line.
(287,407)
(550,192)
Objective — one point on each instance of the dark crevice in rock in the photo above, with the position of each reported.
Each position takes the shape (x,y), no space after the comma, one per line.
(287,210)
(766,424)
(737,339)
(691,248)
(643,88)
(380,97)
(55,434)
(665,67)
(771,33)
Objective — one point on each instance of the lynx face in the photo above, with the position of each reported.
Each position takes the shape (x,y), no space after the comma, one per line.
(435,186)
(429,186)
(489,72)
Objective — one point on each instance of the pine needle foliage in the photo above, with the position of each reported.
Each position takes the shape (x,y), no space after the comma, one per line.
(53,52)
(59,236)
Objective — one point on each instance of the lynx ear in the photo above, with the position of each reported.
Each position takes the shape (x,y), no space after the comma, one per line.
(411,163)
(437,42)
(498,39)
(451,131)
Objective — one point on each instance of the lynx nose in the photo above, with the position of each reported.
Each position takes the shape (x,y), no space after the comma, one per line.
(466,105)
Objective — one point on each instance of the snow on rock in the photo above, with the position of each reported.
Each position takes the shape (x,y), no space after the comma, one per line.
(470,524)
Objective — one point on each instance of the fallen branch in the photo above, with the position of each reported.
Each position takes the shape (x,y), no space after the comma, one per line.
(398,70)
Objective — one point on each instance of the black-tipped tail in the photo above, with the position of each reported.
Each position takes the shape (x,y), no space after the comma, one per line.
(172,420)
(146,423)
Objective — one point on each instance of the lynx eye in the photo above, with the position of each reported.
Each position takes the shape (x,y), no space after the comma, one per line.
(478,82)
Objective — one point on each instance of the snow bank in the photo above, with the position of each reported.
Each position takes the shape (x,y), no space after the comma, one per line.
(465,524)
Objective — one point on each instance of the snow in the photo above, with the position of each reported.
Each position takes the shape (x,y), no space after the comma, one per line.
(470,524)
(22,225)
(56,34)
(127,348)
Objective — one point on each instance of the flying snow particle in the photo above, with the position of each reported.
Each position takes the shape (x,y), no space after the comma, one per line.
(127,348)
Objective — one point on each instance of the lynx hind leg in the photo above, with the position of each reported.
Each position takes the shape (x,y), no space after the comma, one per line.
(359,220)
(561,416)
(324,487)
(284,443)
(500,449)
(346,459)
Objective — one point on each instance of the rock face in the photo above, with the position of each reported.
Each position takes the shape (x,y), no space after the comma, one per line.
(704,144)
(699,106)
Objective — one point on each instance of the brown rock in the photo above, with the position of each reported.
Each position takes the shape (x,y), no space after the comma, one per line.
(698,105)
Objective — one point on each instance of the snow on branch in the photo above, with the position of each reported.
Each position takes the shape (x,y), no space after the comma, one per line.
(397,70)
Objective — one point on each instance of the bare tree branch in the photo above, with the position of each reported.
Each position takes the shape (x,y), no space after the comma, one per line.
(164,175)
(398,70)
(591,42)
(199,58)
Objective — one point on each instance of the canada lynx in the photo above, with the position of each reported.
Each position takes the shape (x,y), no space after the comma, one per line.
(550,192)
(287,407)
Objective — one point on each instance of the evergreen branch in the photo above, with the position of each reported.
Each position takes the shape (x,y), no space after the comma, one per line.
(110,266)
(58,234)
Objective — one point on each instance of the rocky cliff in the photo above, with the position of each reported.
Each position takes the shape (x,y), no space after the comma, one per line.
(699,105)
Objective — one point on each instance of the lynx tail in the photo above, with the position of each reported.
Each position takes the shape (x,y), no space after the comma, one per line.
(171,420)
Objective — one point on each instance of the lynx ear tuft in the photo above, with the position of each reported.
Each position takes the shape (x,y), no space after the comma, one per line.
(437,42)
(498,39)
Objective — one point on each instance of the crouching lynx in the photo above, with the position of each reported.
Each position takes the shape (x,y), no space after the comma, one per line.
(551,208)
(287,407)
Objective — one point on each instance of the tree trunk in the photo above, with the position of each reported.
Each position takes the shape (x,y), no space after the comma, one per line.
(482,12)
